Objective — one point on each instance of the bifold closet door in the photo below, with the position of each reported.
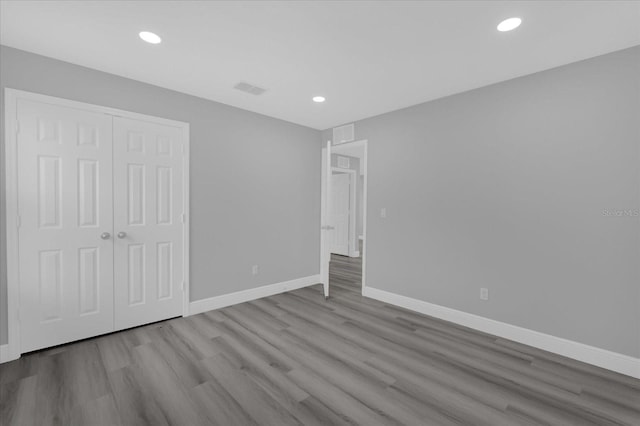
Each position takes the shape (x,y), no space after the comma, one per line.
(65,224)
(148,223)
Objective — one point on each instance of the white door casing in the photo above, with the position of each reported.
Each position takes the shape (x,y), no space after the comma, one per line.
(148,223)
(325,256)
(65,205)
(340,212)
(325,227)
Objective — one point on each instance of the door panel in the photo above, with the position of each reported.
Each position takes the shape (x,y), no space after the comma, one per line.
(148,201)
(340,200)
(64,204)
(325,228)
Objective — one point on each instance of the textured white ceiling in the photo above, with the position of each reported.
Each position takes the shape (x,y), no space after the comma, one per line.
(367,58)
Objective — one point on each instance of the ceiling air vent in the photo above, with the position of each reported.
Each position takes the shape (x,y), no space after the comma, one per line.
(249,88)
(343,162)
(343,134)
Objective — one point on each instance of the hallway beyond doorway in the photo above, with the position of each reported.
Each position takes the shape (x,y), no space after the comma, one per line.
(346,272)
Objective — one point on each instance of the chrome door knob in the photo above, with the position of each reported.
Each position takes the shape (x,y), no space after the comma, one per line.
(122,234)
(105,235)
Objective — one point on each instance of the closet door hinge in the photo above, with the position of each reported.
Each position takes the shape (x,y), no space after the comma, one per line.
(183,218)
(18,221)
(17,127)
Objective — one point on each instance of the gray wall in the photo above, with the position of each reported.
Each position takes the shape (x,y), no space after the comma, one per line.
(505,187)
(255,180)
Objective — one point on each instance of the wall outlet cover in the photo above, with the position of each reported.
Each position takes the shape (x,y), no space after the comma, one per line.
(484,294)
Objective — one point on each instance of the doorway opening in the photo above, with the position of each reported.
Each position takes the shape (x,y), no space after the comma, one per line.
(344,212)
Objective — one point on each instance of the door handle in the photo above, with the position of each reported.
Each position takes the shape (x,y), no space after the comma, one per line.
(105,235)
(122,234)
(327,228)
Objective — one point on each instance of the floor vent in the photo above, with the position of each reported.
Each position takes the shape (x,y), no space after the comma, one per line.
(343,162)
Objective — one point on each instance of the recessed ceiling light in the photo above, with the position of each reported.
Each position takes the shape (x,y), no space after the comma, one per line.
(509,24)
(150,37)
(318,99)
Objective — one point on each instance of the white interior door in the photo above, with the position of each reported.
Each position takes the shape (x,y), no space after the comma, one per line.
(65,224)
(325,228)
(149,222)
(340,200)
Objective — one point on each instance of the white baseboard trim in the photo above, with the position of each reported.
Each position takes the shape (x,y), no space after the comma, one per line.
(355,254)
(4,353)
(614,361)
(217,302)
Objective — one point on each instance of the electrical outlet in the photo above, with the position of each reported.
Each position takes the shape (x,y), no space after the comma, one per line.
(484,293)
(254,270)
(383,213)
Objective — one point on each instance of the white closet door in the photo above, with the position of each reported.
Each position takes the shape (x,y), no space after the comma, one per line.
(148,205)
(65,205)
(340,198)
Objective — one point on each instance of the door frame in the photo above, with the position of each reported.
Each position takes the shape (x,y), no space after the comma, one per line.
(324,266)
(11,209)
(352,239)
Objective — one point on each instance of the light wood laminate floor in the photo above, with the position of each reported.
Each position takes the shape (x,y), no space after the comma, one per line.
(297,359)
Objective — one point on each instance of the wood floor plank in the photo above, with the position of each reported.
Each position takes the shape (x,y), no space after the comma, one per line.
(190,332)
(576,367)
(115,351)
(262,408)
(296,358)
(321,414)
(260,344)
(219,407)
(19,369)
(353,381)
(189,371)
(278,385)
(100,411)
(272,380)
(136,404)
(162,382)
(268,305)
(67,380)
(18,402)
(347,407)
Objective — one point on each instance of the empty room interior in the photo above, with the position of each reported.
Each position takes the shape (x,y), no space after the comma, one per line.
(319,213)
